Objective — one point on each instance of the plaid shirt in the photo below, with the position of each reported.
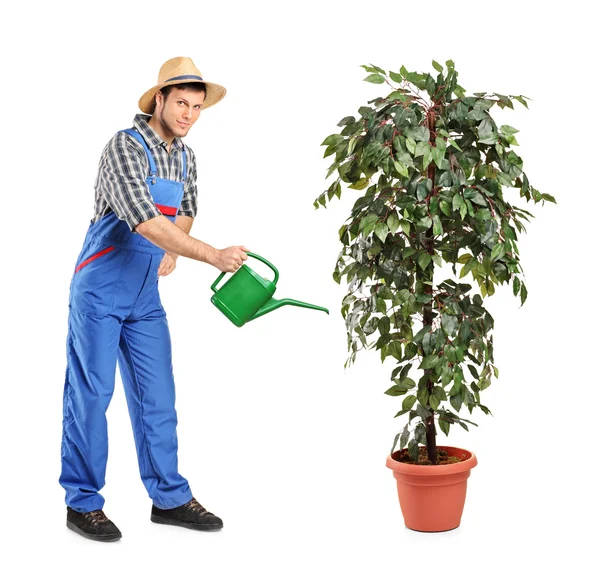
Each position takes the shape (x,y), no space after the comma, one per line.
(121,183)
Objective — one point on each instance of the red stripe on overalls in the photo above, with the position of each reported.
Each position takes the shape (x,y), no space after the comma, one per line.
(170,211)
(95,256)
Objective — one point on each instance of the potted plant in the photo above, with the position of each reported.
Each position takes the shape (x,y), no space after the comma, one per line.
(433,172)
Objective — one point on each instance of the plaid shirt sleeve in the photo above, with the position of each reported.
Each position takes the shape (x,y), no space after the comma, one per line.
(122,181)
(189,203)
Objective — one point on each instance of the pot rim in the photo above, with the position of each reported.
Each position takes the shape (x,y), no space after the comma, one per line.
(468,463)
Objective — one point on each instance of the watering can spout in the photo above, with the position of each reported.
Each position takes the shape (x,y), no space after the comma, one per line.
(273,304)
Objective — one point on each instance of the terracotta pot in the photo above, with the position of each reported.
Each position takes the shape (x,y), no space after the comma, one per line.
(432,497)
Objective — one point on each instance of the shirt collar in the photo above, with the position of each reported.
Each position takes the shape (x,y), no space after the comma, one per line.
(152,138)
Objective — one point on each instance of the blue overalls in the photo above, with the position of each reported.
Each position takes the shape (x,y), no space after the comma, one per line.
(115,314)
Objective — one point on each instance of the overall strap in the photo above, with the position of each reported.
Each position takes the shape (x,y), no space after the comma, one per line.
(184,169)
(140,139)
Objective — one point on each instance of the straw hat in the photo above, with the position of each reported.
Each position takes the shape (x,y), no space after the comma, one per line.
(180,70)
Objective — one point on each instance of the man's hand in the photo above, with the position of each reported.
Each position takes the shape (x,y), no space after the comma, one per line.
(167,265)
(230,259)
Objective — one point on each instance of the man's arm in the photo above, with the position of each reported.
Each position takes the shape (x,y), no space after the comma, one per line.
(173,239)
(185,223)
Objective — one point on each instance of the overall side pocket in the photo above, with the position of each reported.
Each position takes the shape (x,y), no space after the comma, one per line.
(94,257)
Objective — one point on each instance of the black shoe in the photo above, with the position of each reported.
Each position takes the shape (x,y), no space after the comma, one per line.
(93,525)
(190,515)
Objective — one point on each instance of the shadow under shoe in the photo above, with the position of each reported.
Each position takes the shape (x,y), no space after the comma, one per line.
(190,515)
(93,525)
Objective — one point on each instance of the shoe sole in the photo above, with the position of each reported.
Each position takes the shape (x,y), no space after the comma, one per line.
(100,538)
(195,526)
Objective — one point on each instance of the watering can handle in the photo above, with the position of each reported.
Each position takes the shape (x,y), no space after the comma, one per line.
(256,256)
(266,263)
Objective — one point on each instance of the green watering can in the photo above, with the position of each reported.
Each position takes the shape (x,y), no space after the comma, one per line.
(246,295)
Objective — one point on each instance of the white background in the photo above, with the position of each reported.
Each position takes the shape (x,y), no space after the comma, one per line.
(274,436)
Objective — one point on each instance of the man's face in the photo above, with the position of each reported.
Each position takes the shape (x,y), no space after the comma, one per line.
(179,111)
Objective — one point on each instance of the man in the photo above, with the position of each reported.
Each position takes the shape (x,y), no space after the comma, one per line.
(145,205)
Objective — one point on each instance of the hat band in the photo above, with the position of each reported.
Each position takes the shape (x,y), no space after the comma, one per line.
(185,77)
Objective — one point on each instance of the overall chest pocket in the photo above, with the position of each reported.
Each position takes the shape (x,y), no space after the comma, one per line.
(167,195)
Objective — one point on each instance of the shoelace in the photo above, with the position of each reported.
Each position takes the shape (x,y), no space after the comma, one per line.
(96,516)
(195,507)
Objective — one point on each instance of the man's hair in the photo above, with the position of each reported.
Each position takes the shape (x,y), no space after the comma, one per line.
(193,86)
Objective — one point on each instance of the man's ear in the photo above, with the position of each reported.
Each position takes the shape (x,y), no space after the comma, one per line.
(159,99)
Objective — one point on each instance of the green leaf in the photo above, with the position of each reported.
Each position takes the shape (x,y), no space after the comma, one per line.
(437,226)
(393,222)
(486,133)
(401,168)
(450,353)
(381,231)
(367,224)
(395,348)
(516,286)
(439,152)
(445,207)
(437,66)
(456,401)
(429,362)
(508,130)
(409,402)
(396,95)
(423,410)
(523,293)
(548,197)
(521,100)
(411,145)
(457,201)
(333,139)
(424,260)
(406,383)
(419,134)
(453,143)
(352,144)
(479,199)
(497,251)
(426,222)
(403,295)
(422,396)
(347,121)
(394,444)
(395,391)
(396,77)
(378,69)
(449,323)
(444,426)
(375,79)
(405,227)
(369,68)
(404,437)
(413,450)
(360,184)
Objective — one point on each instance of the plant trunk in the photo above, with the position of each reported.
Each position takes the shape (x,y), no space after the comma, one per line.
(427,309)
(431,444)
(427,275)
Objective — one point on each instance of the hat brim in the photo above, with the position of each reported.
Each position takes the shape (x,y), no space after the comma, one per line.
(214,94)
